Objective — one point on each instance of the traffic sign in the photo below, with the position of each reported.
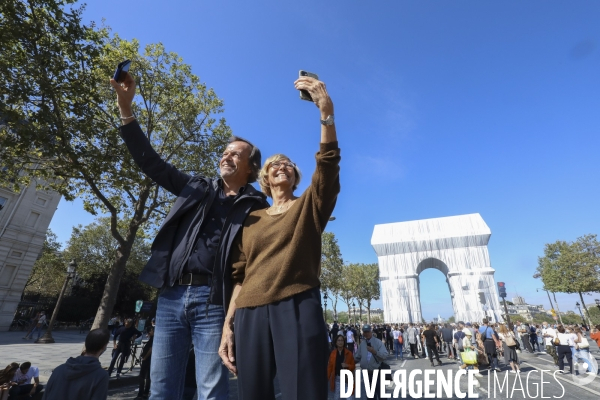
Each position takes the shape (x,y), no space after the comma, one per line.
(147,307)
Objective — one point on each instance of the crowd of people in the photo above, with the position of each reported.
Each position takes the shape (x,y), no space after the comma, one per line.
(473,346)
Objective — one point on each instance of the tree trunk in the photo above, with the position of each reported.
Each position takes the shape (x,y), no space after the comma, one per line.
(109,297)
(360,306)
(369,312)
(557,309)
(335,300)
(587,313)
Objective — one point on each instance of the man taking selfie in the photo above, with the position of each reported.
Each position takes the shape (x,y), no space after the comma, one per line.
(190,259)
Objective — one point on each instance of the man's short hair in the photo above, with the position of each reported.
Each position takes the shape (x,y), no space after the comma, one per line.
(25,365)
(255,157)
(96,340)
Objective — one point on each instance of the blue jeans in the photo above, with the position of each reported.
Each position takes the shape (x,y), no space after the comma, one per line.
(398,349)
(182,319)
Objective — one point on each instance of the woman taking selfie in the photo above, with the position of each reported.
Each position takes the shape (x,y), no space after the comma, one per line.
(279,327)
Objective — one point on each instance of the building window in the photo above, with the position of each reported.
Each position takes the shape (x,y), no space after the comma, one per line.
(41,202)
(16,254)
(3,201)
(7,274)
(32,220)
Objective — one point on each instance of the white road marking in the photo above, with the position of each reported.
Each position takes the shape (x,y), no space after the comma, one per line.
(558,376)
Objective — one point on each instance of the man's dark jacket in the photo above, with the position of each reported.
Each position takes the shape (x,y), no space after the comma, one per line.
(193,192)
(79,378)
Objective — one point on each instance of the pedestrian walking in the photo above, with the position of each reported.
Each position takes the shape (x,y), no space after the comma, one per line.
(509,344)
(39,325)
(398,338)
(126,335)
(146,357)
(489,344)
(413,338)
(340,358)
(432,340)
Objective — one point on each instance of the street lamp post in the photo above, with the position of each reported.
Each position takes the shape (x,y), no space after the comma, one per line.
(580,313)
(538,276)
(325,312)
(354,311)
(47,338)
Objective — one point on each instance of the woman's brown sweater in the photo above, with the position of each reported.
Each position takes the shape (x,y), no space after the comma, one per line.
(278,256)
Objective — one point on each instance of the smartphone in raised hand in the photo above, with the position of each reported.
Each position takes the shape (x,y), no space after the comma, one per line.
(304,95)
(121,69)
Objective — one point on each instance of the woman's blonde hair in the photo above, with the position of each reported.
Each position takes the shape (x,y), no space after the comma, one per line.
(502,329)
(263,175)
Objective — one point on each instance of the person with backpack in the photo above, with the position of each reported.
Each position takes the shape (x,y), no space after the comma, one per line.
(397,334)
(457,340)
(489,344)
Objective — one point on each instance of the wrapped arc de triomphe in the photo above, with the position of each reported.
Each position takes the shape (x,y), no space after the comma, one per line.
(456,246)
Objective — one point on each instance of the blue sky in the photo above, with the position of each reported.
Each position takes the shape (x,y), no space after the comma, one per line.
(442,108)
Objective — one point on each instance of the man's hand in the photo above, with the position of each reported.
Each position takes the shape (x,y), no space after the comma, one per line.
(226,350)
(125,93)
(318,92)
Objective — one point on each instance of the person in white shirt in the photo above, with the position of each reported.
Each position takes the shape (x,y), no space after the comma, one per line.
(412,335)
(350,340)
(564,348)
(549,333)
(23,377)
(397,335)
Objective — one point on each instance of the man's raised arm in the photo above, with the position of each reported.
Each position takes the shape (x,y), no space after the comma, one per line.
(140,148)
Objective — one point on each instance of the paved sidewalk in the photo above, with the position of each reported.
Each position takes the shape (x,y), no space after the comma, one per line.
(46,357)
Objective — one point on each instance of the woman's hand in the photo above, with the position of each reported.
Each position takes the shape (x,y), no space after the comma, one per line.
(318,92)
(226,349)
(344,365)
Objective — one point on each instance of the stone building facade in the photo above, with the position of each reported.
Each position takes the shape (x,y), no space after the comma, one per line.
(24,220)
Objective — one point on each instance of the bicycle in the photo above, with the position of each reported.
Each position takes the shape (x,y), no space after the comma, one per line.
(133,361)
(19,324)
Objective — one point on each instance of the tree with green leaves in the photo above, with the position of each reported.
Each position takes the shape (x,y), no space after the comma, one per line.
(94,248)
(62,120)
(366,285)
(346,293)
(571,267)
(49,270)
(331,268)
